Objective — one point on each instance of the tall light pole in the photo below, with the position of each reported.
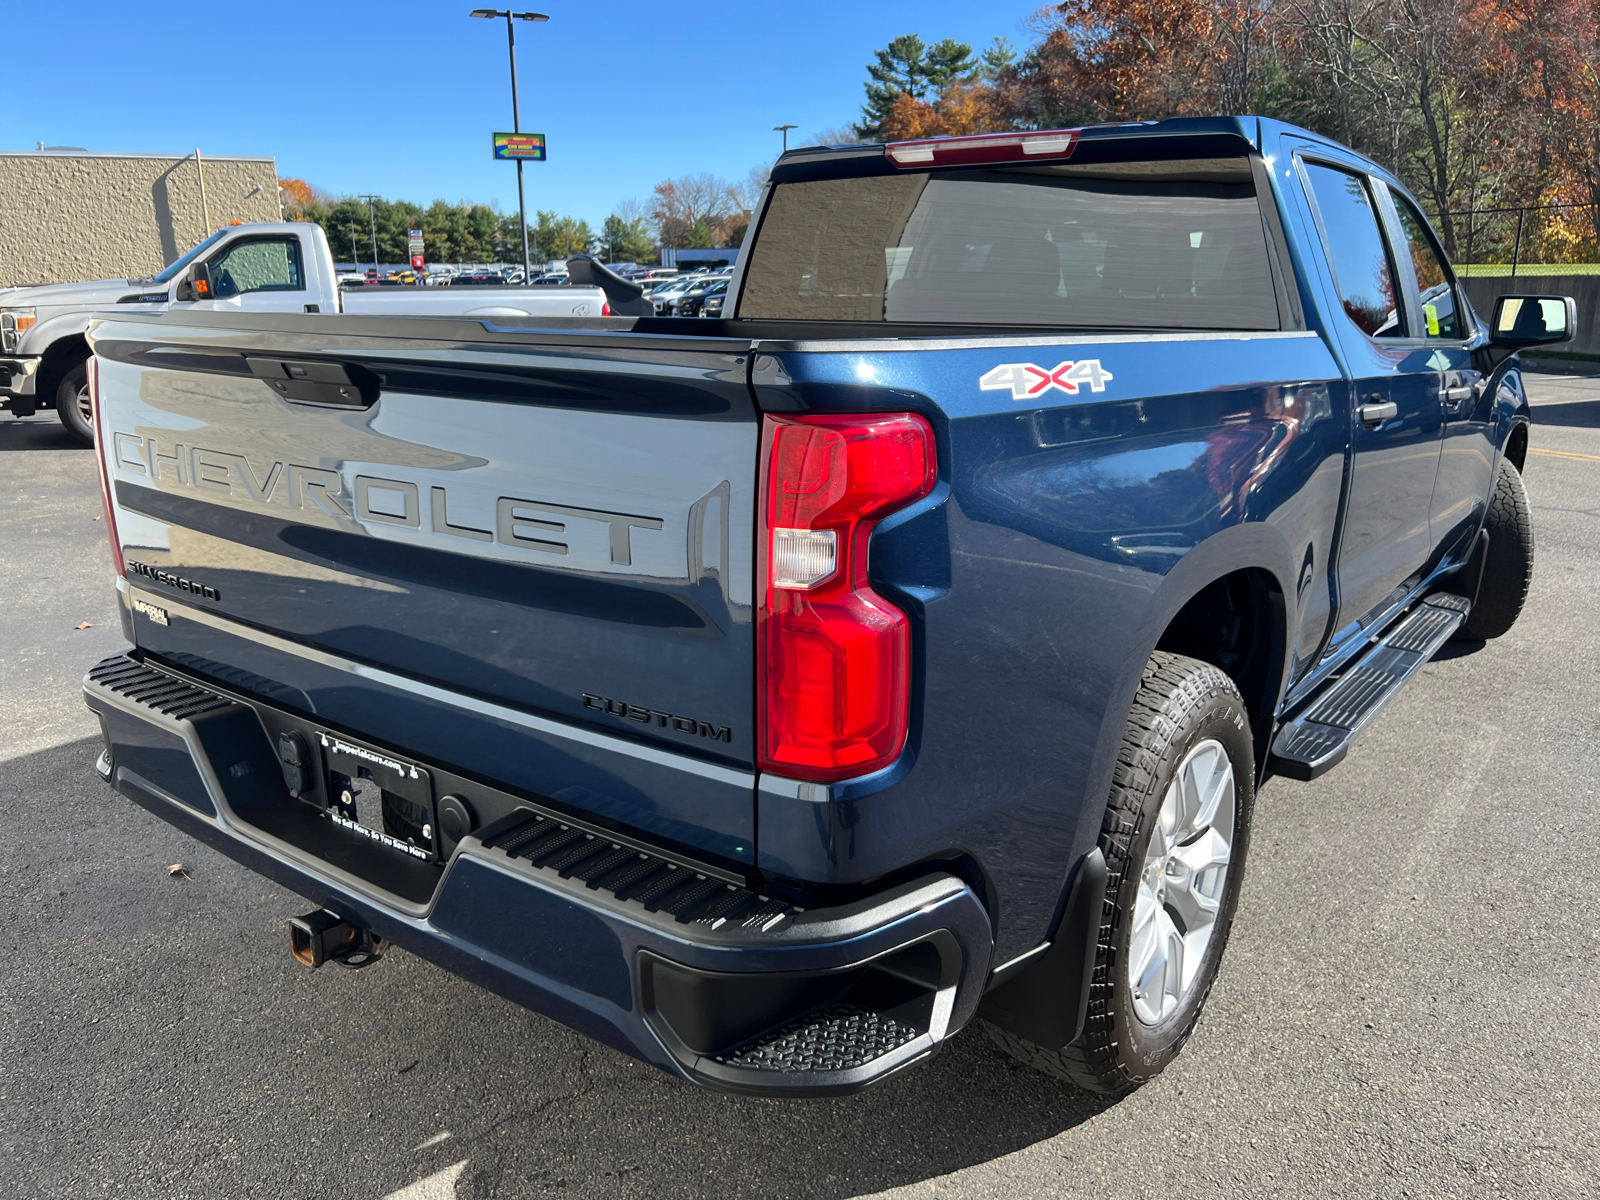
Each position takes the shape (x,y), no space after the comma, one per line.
(516,115)
(373,222)
(784,129)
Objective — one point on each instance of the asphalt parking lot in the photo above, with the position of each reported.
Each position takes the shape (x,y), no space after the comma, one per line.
(1410,1005)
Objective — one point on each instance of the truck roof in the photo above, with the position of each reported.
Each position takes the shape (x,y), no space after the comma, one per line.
(1220,136)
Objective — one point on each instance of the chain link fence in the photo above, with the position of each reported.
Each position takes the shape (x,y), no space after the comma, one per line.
(1532,240)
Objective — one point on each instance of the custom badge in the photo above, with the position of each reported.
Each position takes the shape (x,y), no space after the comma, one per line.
(1024,380)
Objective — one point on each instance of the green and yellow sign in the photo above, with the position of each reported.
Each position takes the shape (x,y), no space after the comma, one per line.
(528,147)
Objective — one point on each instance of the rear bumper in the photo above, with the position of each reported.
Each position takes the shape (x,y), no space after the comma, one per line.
(711,982)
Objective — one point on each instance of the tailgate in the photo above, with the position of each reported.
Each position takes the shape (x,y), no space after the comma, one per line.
(562,524)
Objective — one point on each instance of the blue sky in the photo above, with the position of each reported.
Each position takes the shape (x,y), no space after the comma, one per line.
(400,98)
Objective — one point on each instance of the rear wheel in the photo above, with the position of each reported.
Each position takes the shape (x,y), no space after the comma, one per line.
(1174,837)
(72,402)
(1509,569)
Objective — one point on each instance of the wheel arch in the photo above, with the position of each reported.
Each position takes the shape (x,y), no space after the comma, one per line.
(1226,602)
(1238,623)
(1516,447)
(59,357)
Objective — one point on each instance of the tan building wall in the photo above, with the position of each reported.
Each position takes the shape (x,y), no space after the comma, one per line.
(73,217)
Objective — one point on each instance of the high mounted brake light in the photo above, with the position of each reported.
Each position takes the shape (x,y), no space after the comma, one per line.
(105,476)
(984,148)
(834,658)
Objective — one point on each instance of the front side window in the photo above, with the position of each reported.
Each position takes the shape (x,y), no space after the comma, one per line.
(1356,251)
(258,265)
(1146,245)
(169,273)
(1440,312)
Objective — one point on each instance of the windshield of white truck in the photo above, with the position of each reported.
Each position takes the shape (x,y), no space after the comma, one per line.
(1153,245)
(170,272)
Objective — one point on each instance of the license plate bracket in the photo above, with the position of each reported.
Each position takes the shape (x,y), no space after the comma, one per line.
(380,796)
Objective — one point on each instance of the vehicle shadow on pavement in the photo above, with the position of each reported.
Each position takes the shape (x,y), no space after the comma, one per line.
(1582,414)
(1457,648)
(153,1015)
(37,434)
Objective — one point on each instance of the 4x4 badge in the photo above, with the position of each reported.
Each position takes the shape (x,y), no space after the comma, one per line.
(1023,380)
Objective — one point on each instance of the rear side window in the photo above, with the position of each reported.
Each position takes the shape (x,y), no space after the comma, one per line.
(1356,251)
(1129,245)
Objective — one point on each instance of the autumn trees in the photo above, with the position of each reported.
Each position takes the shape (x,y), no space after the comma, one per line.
(702,211)
(1476,104)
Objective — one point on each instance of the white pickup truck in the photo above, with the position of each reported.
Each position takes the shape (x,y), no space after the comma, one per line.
(268,267)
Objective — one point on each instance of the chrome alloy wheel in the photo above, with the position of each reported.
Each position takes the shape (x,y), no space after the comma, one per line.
(1181,884)
(84,405)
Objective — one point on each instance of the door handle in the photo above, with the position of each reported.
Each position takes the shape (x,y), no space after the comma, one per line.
(1377,414)
(1458,395)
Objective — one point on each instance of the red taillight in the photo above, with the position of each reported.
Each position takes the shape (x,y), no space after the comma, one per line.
(101,451)
(834,658)
(1045,145)
(605,308)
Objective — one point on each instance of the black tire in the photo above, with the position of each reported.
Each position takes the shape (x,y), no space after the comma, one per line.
(72,402)
(1509,569)
(1181,704)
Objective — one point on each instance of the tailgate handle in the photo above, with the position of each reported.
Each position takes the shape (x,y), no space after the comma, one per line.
(315,381)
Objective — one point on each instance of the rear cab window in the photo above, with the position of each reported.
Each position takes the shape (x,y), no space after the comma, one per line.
(1131,245)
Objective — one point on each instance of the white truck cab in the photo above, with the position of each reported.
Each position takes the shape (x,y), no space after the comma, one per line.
(280,267)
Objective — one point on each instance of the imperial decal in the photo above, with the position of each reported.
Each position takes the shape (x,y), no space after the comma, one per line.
(158,615)
(1024,380)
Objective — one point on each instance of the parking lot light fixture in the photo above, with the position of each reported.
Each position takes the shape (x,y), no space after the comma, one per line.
(784,129)
(516,117)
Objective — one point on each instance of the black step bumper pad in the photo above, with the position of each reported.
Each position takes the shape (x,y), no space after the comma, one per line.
(707,979)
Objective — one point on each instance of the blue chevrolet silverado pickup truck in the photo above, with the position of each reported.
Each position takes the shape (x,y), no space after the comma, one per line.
(770,696)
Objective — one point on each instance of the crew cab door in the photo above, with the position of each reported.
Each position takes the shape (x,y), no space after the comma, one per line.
(1393,401)
(1443,355)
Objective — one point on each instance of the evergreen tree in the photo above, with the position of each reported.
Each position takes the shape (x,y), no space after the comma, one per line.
(1000,55)
(909,66)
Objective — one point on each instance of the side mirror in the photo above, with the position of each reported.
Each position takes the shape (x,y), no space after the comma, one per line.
(1521,321)
(200,280)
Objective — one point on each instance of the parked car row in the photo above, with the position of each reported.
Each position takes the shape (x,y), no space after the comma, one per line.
(699,294)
